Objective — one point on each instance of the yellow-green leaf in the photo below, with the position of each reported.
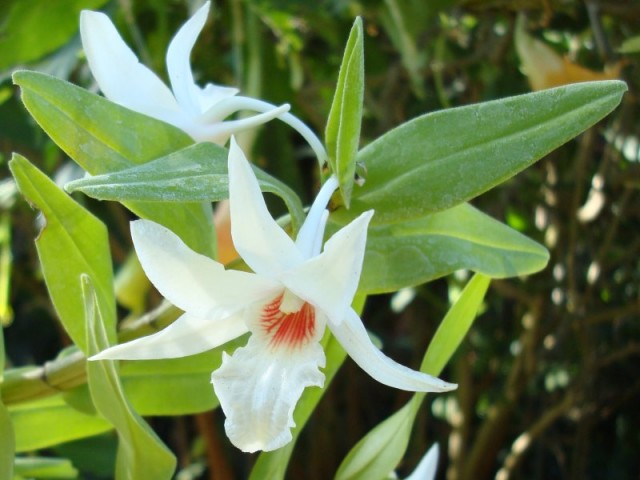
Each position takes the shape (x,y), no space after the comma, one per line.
(141,454)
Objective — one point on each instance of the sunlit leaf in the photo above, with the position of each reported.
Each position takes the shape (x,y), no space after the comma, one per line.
(20,19)
(379,452)
(194,174)
(45,467)
(442,159)
(342,133)
(141,454)
(6,312)
(630,45)
(103,137)
(71,242)
(50,421)
(413,252)
(7,439)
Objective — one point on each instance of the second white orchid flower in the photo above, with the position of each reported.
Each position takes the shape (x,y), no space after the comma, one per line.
(295,292)
(200,112)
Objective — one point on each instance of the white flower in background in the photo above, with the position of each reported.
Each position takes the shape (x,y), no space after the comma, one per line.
(295,292)
(426,469)
(200,112)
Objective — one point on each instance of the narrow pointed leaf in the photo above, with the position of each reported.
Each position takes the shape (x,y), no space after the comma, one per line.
(103,137)
(413,252)
(379,452)
(71,242)
(197,173)
(45,467)
(342,134)
(141,454)
(455,325)
(7,439)
(442,159)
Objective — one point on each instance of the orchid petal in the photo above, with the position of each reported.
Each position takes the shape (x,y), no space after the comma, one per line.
(258,388)
(259,240)
(312,230)
(235,104)
(329,281)
(426,469)
(211,95)
(120,76)
(219,132)
(188,335)
(178,60)
(354,339)
(191,281)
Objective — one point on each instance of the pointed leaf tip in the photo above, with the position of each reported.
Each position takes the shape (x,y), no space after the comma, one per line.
(342,133)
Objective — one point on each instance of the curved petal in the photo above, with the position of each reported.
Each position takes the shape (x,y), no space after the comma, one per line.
(188,335)
(120,76)
(258,389)
(329,281)
(310,236)
(219,132)
(178,61)
(211,95)
(259,240)
(191,281)
(354,339)
(426,469)
(235,104)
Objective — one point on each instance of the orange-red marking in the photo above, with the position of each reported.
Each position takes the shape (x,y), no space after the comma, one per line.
(293,329)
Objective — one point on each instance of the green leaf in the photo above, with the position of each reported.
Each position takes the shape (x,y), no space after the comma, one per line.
(141,454)
(20,19)
(379,452)
(442,159)
(455,325)
(103,137)
(414,252)
(630,45)
(6,313)
(45,467)
(342,134)
(7,439)
(72,242)
(50,421)
(197,173)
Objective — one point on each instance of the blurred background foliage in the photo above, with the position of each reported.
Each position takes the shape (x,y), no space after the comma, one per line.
(549,386)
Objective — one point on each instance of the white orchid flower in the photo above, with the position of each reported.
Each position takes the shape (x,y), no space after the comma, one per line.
(294,293)
(200,112)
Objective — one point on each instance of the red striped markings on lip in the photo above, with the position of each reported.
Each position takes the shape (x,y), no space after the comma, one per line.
(292,329)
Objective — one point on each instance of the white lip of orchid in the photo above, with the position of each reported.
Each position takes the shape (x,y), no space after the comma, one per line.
(199,111)
(295,292)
